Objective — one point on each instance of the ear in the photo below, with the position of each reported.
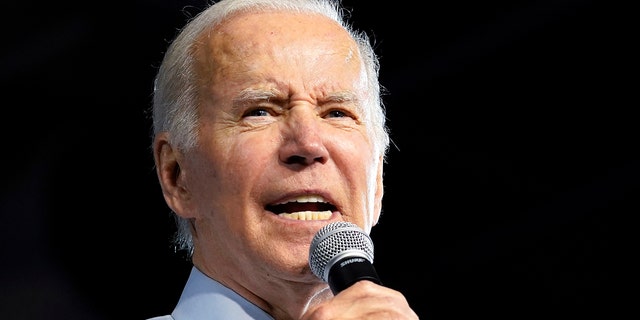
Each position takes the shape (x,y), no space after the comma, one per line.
(172,180)
(379,191)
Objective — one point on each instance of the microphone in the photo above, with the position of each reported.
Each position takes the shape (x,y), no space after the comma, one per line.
(341,254)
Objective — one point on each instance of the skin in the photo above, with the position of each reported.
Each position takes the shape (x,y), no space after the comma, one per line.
(280,117)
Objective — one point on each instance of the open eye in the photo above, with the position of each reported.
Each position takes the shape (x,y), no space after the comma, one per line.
(336,114)
(257,112)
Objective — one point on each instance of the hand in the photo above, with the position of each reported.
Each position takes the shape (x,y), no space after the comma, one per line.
(363,300)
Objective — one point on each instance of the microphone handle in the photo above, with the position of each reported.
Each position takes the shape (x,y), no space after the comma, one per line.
(350,270)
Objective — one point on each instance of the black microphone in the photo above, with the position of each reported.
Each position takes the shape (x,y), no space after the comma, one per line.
(341,254)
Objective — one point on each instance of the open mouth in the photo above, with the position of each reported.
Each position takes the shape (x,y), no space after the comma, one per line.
(303,208)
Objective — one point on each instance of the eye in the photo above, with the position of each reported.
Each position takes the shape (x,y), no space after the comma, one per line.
(336,114)
(257,112)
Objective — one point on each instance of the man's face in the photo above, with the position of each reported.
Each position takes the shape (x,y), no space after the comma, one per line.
(282,149)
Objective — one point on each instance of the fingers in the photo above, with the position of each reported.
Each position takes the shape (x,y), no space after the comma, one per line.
(363,300)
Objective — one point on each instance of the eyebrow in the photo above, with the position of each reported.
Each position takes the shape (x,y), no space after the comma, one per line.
(250,95)
(341,96)
(253,95)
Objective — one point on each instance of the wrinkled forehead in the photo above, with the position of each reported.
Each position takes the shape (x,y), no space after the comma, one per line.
(280,23)
(254,32)
(289,46)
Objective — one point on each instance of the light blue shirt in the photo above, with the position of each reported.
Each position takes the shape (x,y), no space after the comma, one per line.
(204,298)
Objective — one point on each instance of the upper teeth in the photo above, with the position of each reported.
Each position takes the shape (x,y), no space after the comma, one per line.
(307,215)
(309,198)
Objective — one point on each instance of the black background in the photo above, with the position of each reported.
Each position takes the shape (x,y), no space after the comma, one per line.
(514,158)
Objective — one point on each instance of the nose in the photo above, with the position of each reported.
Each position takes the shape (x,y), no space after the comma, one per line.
(304,139)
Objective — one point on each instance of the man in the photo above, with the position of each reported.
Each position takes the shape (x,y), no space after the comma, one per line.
(268,125)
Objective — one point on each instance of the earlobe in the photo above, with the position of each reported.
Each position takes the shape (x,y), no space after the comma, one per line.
(169,173)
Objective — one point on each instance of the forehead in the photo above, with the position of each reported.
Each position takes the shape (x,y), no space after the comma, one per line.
(259,34)
(281,26)
(247,48)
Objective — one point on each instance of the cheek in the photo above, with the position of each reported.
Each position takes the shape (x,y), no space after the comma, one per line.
(354,144)
(244,161)
(356,159)
(224,166)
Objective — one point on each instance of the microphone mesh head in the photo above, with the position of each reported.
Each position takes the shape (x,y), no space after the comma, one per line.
(334,241)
